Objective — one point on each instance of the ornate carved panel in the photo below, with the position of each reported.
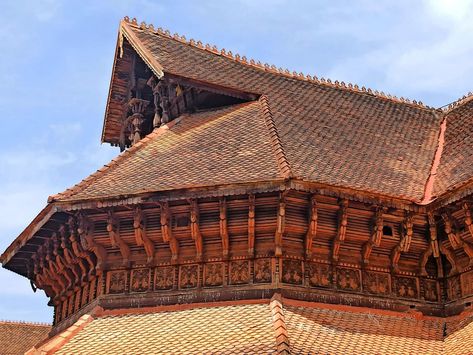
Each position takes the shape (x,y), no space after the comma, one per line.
(263,271)
(430,290)
(188,276)
(292,272)
(213,274)
(348,279)
(116,281)
(164,278)
(376,283)
(467,283)
(239,272)
(320,275)
(140,280)
(453,288)
(405,287)
(85,295)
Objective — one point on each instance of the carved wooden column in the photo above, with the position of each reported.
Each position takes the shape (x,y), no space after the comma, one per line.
(312,230)
(138,109)
(163,90)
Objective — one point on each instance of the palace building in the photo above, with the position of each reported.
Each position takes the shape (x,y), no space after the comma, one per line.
(255,210)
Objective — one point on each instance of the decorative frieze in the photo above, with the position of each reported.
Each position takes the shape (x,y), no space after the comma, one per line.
(454,291)
(467,283)
(292,272)
(140,280)
(164,278)
(405,287)
(239,272)
(377,283)
(263,272)
(320,275)
(117,281)
(430,290)
(188,276)
(213,274)
(348,279)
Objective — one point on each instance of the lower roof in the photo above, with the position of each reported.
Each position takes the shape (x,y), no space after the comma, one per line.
(18,337)
(263,326)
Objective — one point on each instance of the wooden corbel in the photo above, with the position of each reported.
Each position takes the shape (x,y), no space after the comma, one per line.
(41,280)
(77,248)
(223,227)
(64,268)
(166,231)
(342,229)
(54,270)
(280,224)
(113,229)
(376,236)
(251,224)
(455,239)
(80,267)
(140,234)
(433,249)
(404,242)
(195,228)
(47,274)
(87,240)
(312,230)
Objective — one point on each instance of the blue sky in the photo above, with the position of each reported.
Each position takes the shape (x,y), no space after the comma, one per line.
(56,59)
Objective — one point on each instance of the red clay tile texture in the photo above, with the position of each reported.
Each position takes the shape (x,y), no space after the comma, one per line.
(229,145)
(17,337)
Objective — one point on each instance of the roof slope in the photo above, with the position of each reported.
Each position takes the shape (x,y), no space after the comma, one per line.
(261,327)
(456,164)
(228,145)
(17,337)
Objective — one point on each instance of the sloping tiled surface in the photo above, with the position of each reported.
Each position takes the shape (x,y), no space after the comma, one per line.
(456,163)
(244,329)
(328,331)
(330,135)
(16,338)
(228,145)
(459,338)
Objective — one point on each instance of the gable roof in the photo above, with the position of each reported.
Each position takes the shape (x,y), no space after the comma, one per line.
(17,337)
(231,145)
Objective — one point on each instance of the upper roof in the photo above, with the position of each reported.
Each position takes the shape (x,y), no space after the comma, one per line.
(17,337)
(278,326)
(336,135)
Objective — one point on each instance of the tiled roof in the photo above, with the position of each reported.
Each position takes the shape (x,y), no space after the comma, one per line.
(277,326)
(17,337)
(228,145)
(456,164)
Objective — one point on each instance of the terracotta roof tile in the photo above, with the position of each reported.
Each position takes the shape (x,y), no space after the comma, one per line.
(17,337)
(228,145)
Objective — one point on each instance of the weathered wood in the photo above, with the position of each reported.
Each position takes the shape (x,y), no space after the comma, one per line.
(455,239)
(85,230)
(223,227)
(195,228)
(166,231)
(312,230)
(341,229)
(404,242)
(251,224)
(376,236)
(113,229)
(140,234)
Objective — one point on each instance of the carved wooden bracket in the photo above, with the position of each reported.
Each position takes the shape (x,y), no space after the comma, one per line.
(63,266)
(113,229)
(404,243)
(312,230)
(78,250)
(280,224)
(433,235)
(342,229)
(166,231)
(78,263)
(376,236)
(140,234)
(223,227)
(137,108)
(195,229)
(53,269)
(86,233)
(251,224)
(455,239)
(433,249)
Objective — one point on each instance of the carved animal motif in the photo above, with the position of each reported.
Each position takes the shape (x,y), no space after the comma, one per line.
(195,229)
(79,264)
(312,231)
(404,243)
(140,234)
(78,249)
(223,227)
(166,231)
(342,229)
(85,230)
(376,236)
(113,229)
(455,239)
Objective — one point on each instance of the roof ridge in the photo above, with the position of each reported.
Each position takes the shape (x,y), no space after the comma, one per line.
(279,324)
(283,163)
(23,322)
(113,163)
(457,103)
(273,69)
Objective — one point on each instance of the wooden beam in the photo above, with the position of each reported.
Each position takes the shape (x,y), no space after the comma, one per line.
(113,229)
(139,225)
(195,228)
(223,226)
(166,231)
(312,230)
(376,236)
(341,230)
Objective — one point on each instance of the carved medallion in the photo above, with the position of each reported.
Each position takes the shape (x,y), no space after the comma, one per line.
(376,283)
(348,279)
(164,278)
(263,271)
(140,280)
(188,276)
(239,272)
(292,272)
(453,288)
(77,300)
(430,290)
(320,275)
(85,295)
(467,283)
(213,274)
(92,290)
(405,287)
(116,281)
